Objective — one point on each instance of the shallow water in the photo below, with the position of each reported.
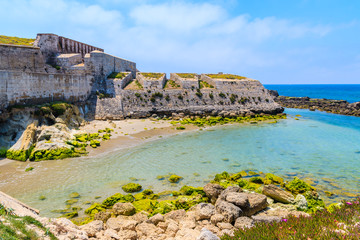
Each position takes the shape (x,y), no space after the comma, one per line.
(322,147)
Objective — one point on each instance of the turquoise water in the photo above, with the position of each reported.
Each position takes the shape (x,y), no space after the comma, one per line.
(349,92)
(322,147)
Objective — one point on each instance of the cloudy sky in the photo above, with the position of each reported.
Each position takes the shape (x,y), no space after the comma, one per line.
(274,41)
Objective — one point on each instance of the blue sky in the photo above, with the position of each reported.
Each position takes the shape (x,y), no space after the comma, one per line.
(274,41)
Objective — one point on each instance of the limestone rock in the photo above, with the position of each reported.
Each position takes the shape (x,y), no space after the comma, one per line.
(217,218)
(228,190)
(147,229)
(156,219)
(27,138)
(278,194)
(228,210)
(186,234)
(207,235)
(239,199)
(257,202)
(126,209)
(213,191)
(102,216)
(204,211)
(128,235)
(244,222)
(111,233)
(224,225)
(301,202)
(175,215)
(93,227)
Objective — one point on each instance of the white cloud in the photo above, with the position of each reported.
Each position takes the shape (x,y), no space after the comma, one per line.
(177,16)
(172,36)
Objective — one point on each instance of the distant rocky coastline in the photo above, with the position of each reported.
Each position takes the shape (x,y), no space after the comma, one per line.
(331,106)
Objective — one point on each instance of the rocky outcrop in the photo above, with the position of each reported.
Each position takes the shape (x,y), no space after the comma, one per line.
(331,106)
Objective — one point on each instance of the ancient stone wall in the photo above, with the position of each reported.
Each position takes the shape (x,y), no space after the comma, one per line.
(151,83)
(115,85)
(52,45)
(185,83)
(144,103)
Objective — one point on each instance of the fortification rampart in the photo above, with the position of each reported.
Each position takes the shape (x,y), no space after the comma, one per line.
(151,83)
(185,83)
(251,97)
(26,78)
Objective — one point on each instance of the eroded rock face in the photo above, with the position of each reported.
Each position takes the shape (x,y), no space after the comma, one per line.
(278,194)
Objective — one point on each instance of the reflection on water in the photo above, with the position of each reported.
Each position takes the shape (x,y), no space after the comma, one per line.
(322,148)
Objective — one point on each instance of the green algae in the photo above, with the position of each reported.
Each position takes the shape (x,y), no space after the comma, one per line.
(273,178)
(132,187)
(74,195)
(20,155)
(297,186)
(29,169)
(53,154)
(174,178)
(95,208)
(117,197)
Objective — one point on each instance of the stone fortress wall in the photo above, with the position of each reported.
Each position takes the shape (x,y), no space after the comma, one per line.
(61,69)
(54,69)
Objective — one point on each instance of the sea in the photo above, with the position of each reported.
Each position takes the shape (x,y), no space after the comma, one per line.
(320,147)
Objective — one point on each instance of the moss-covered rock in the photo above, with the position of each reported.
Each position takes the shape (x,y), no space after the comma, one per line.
(117,197)
(174,178)
(74,195)
(221,176)
(273,178)
(71,201)
(70,215)
(189,190)
(258,180)
(297,186)
(146,205)
(94,143)
(21,155)
(132,187)
(59,153)
(95,208)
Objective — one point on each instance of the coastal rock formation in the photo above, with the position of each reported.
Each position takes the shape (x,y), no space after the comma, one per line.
(331,106)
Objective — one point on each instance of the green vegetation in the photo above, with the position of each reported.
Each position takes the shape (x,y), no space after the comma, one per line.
(16,40)
(15,228)
(339,223)
(53,154)
(211,121)
(233,98)
(186,75)
(225,76)
(152,75)
(103,95)
(3,152)
(138,84)
(131,187)
(222,95)
(204,84)
(180,128)
(171,84)
(297,186)
(29,169)
(174,178)
(20,155)
(120,75)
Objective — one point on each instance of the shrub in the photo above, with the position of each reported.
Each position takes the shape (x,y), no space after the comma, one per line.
(198,93)
(233,98)
(222,95)
(211,95)
(59,108)
(137,95)
(180,97)
(3,152)
(167,97)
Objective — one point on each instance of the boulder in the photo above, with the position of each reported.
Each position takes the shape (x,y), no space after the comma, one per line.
(186,234)
(239,199)
(204,211)
(102,216)
(257,202)
(93,227)
(224,193)
(128,235)
(156,219)
(244,222)
(111,233)
(213,191)
(216,218)
(126,209)
(207,235)
(175,215)
(224,225)
(301,202)
(278,194)
(228,210)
